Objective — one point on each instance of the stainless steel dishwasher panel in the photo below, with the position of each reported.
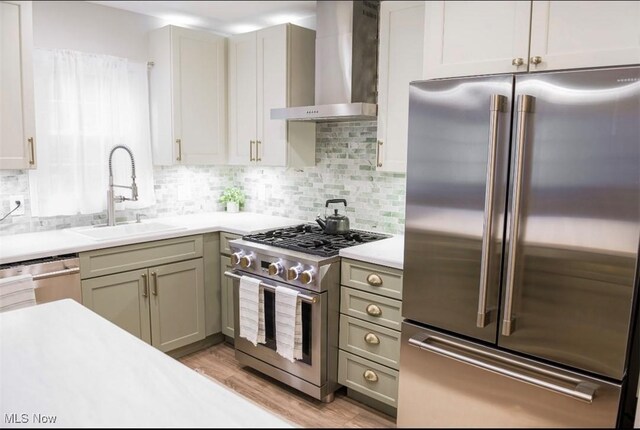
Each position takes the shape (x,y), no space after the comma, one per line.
(54,278)
(448,382)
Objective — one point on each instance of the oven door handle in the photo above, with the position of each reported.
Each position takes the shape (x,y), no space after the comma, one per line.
(304,297)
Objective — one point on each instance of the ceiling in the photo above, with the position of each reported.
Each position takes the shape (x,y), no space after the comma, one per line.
(226,17)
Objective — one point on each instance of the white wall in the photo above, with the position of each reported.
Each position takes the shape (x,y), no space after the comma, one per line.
(88,27)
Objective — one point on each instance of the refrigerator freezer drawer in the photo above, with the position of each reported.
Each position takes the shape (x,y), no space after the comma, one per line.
(448,382)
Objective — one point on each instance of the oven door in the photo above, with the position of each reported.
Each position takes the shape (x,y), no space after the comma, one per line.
(312,368)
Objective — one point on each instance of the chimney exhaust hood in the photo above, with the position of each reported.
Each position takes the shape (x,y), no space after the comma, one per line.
(346,64)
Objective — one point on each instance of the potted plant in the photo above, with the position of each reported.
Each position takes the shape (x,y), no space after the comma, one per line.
(233,197)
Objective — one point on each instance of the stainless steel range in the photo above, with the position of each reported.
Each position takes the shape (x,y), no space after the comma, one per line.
(305,259)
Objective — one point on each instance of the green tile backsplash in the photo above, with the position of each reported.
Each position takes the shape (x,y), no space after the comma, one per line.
(345,168)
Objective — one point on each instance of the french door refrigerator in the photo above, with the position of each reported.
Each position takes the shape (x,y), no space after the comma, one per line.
(521,249)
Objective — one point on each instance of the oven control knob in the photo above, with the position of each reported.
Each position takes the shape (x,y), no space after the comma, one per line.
(292,273)
(235,258)
(275,269)
(306,277)
(246,261)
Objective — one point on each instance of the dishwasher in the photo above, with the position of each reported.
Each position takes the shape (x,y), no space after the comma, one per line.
(54,278)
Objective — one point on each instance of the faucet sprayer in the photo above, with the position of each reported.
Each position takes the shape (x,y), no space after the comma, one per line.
(111,219)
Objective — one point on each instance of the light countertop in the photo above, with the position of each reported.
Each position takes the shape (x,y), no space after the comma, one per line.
(29,246)
(385,252)
(84,371)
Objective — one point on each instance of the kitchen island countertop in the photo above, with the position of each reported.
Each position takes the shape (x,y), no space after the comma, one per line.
(80,370)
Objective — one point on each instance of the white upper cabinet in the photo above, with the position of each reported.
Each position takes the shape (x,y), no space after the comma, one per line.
(400,62)
(464,38)
(271,68)
(17,114)
(188,96)
(574,34)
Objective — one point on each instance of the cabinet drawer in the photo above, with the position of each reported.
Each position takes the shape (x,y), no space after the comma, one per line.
(371,341)
(123,258)
(224,242)
(375,279)
(365,306)
(382,384)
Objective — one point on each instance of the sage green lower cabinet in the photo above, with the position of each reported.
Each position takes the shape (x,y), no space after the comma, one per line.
(369,378)
(370,322)
(227,297)
(122,299)
(226,284)
(177,304)
(162,303)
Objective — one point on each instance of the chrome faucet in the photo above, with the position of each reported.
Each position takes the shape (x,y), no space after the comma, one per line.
(111,199)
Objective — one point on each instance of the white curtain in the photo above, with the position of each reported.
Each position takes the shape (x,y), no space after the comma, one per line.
(85,105)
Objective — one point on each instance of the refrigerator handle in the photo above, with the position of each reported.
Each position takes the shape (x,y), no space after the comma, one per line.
(498,105)
(583,391)
(525,106)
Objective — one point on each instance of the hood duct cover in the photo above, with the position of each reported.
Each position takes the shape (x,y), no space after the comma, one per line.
(346,64)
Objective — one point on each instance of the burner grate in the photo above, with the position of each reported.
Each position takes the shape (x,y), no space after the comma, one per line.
(310,239)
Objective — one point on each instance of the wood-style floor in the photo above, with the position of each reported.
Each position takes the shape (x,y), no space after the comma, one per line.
(218,363)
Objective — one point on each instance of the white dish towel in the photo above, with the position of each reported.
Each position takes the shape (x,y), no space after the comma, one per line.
(17,292)
(288,324)
(251,303)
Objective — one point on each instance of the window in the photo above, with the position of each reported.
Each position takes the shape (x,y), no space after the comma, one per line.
(85,105)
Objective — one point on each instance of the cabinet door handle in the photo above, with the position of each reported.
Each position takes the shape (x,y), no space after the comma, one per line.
(536,60)
(374,280)
(179,142)
(155,283)
(517,61)
(251,157)
(371,339)
(378,162)
(374,310)
(32,152)
(370,375)
(145,286)
(258,158)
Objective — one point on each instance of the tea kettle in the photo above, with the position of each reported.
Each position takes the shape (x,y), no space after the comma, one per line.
(334,224)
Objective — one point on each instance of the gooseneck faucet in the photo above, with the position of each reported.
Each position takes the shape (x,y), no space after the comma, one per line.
(111,199)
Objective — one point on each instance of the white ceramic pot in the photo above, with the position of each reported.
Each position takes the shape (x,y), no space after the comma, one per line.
(233,207)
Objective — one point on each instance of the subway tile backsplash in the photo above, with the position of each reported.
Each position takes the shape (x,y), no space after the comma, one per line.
(345,168)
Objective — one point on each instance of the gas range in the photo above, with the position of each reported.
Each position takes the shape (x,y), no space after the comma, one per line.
(295,255)
(311,239)
(305,259)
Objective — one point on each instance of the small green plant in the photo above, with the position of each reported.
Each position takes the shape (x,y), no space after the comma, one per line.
(232,195)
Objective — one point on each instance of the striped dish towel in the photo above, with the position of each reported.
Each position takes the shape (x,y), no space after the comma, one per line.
(17,292)
(288,324)
(251,308)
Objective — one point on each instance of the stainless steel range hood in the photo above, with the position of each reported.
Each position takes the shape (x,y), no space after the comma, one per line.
(346,64)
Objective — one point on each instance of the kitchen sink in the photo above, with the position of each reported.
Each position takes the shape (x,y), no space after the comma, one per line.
(103,232)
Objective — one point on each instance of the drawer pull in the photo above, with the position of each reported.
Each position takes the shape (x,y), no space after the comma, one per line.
(374,280)
(371,339)
(370,375)
(374,310)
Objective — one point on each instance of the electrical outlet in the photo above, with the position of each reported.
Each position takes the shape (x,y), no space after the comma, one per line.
(12,204)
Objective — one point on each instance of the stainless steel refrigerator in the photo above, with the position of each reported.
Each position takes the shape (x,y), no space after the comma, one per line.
(521,249)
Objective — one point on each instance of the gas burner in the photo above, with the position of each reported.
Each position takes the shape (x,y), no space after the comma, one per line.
(311,239)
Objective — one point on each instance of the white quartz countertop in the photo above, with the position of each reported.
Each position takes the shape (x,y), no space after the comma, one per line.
(28,246)
(63,361)
(385,252)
